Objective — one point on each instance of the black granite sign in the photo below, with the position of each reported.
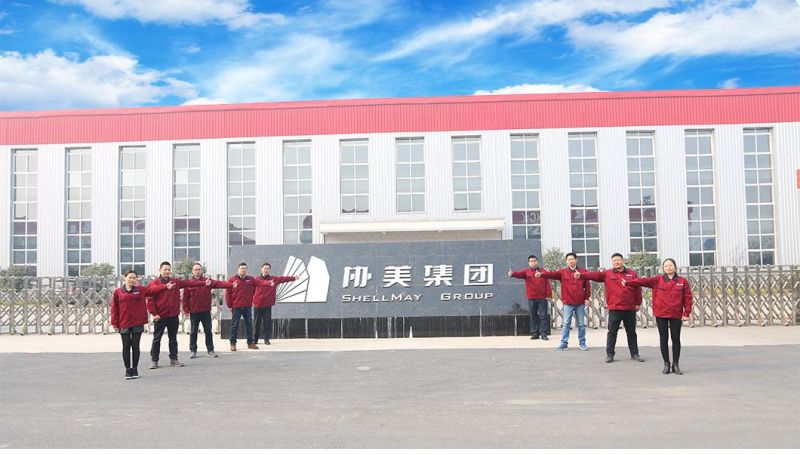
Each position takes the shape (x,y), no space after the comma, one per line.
(340,284)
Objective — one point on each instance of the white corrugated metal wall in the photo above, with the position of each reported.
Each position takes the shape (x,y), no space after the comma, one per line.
(496,203)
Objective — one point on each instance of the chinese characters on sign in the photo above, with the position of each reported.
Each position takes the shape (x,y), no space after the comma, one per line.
(358,277)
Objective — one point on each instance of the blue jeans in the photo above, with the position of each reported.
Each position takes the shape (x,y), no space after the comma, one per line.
(569,310)
(247,313)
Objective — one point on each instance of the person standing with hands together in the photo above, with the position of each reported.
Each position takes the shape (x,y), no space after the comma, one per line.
(672,304)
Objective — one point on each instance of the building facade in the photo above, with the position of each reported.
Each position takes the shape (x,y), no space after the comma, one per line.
(707,177)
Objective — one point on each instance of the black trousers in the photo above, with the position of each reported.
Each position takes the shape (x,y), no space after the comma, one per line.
(171,324)
(130,344)
(667,327)
(196,319)
(263,315)
(539,321)
(628,318)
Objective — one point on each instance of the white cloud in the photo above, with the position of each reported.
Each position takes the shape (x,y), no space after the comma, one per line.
(49,81)
(235,14)
(729,83)
(538,88)
(7,31)
(715,27)
(525,19)
(203,100)
(296,69)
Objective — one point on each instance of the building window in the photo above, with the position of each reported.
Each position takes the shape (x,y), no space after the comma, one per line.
(410,175)
(758,189)
(241,194)
(700,203)
(354,179)
(186,202)
(133,183)
(525,215)
(642,193)
(24,206)
(297,216)
(79,210)
(585,215)
(467,173)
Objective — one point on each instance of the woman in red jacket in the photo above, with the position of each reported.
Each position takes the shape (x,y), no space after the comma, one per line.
(128,316)
(672,304)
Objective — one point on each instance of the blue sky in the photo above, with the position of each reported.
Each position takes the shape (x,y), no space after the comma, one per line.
(65,54)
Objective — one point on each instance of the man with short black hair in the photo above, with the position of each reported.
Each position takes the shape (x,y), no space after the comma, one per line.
(537,291)
(575,294)
(240,302)
(196,303)
(622,302)
(264,300)
(165,306)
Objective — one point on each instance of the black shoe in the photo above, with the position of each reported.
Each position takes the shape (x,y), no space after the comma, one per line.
(609,358)
(544,338)
(666,368)
(267,342)
(128,374)
(676,369)
(534,337)
(134,373)
(636,358)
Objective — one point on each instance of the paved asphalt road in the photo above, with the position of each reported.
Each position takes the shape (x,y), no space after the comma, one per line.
(490,398)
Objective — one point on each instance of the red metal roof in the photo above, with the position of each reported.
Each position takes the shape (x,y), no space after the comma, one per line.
(457,113)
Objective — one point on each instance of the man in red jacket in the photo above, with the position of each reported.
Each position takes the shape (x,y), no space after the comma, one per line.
(264,300)
(165,306)
(622,302)
(537,291)
(575,294)
(240,302)
(196,303)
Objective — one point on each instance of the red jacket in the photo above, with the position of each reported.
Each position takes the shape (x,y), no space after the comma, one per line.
(242,295)
(265,296)
(672,299)
(618,297)
(535,288)
(198,300)
(573,291)
(166,303)
(128,307)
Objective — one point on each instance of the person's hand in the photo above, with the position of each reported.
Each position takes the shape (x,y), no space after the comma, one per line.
(622,281)
(156,318)
(208,281)
(538,274)
(586,302)
(638,308)
(170,285)
(685,318)
(235,283)
(577,275)
(510,272)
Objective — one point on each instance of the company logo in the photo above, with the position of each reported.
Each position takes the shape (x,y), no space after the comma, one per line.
(311,285)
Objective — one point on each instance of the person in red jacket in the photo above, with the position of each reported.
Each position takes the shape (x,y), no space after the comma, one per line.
(264,300)
(537,291)
(672,304)
(575,294)
(196,303)
(240,300)
(165,306)
(128,316)
(622,302)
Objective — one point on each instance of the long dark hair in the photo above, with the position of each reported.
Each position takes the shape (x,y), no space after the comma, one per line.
(673,263)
